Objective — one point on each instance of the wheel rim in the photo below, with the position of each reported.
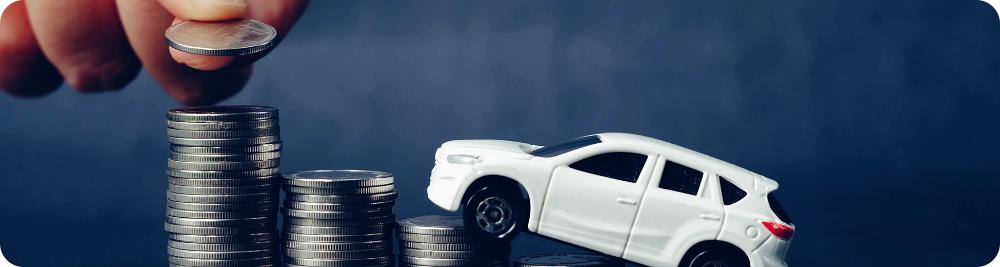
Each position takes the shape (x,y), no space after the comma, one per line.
(715,263)
(494,215)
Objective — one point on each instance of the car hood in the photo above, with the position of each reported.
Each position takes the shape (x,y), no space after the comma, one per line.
(489,147)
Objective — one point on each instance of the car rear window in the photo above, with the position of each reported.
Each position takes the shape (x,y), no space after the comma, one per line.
(555,150)
(778,209)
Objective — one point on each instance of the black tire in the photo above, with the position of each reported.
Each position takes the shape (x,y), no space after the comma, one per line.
(716,258)
(495,215)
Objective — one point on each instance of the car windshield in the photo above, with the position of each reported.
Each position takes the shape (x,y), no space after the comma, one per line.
(555,150)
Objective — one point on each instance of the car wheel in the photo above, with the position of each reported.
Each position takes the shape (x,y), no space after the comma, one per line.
(495,215)
(717,258)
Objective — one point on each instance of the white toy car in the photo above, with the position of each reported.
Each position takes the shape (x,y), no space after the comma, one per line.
(625,195)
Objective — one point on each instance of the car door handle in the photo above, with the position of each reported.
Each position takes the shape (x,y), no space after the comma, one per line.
(710,217)
(626,201)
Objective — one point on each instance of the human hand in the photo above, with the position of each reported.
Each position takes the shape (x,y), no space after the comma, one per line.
(100,45)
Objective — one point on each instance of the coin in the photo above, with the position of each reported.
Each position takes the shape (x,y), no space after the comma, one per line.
(333,215)
(228,190)
(221,174)
(223,239)
(340,191)
(222,125)
(198,230)
(435,238)
(274,146)
(433,225)
(221,247)
(250,141)
(444,262)
(224,157)
(218,214)
(222,113)
(339,178)
(319,230)
(338,262)
(249,181)
(221,222)
(209,199)
(567,260)
(222,166)
(343,254)
(328,246)
(223,134)
(334,238)
(222,263)
(384,197)
(222,206)
(298,205)
(338,223)
(221,38)
(451,246)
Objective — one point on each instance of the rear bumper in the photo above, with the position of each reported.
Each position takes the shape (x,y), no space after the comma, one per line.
(447,185)
(771,253)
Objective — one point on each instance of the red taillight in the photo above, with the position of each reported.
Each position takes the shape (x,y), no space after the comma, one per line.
(779,230)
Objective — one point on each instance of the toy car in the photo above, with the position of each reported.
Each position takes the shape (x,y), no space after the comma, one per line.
(624,195)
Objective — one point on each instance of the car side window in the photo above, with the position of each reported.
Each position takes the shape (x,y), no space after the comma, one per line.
(680,178)
(730,192)
(623,166)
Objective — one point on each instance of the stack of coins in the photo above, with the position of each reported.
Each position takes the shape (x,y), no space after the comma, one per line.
(338,218)
(223,186)
(442,241)
(568,260)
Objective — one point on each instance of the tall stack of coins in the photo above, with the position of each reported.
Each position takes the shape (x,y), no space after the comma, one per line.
(568,260)
(442,241)
(222,194)
(338,218)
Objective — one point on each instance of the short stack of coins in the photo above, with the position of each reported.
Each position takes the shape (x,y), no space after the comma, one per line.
(338,218)
(223,178)
(568,260)
(436,240)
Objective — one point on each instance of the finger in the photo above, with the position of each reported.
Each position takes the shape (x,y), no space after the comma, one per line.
(280,14)
(206,10)
(24,71)
(85,42)
(145,22)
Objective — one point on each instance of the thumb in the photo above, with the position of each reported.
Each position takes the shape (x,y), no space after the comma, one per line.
(206,10)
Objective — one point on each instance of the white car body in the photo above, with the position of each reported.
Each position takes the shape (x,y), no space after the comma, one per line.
(638,221)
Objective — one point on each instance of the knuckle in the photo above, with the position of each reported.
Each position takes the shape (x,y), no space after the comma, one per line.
(105,76)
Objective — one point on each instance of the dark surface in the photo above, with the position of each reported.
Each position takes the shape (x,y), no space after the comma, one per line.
(878,118)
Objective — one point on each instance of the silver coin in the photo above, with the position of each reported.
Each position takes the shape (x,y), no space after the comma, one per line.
(438,239)
(229,190)
(238,206)
(219,214)
(337,262)
(222,166)
(221,174)
(442,254)
(340,223)
(336,207)
(341,199)
(220,255)
(357,230)
(433,225)
(340,191)
(339,178)
(222,113)
(225,239)
(222,125)
(223,263)
(249,181)
(348,254)
(483,263)
(212,199)
(333,215)
(251,141)
(568,260)
(221,38)
(224,157)
(452,246)
(221,222)
(198,230)
(342,246)
(274,131)
(275,146)
(222,247)
(444,262)
(335,238)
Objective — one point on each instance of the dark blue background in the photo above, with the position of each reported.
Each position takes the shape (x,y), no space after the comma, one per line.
(878,118)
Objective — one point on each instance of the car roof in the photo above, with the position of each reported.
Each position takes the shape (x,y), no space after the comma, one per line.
(611,137)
